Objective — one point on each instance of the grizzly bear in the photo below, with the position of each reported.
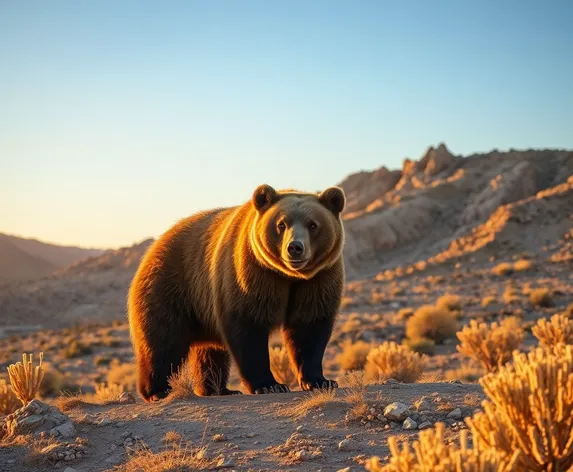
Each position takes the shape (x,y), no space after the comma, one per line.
(218,283)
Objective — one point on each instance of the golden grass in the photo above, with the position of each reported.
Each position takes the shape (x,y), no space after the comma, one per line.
(26,380)
(9,402)
(181,383)
(280,366)
(171,437)
(353,355)
(430,453)
(541,297)
(393,361)
(487,301)
(108,393)
(431,322)
(122,374)
(490,345)
(558,330)
(314,399)
(176,458)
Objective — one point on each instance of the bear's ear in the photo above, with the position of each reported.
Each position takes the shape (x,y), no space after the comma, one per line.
(334,199)
(263,197)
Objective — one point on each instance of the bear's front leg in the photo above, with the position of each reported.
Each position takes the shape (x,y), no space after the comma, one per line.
(248,343)
(306,343)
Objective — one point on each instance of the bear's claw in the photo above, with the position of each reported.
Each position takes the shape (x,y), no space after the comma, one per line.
(322,384)
(226,391)
(276,388)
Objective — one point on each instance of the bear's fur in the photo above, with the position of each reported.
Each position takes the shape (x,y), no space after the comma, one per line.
(216,285)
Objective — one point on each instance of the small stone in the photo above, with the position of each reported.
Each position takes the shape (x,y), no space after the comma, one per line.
(125,434)
(455,414)
(346,469)
(450,421)
(346,445)
(415,416)
(251,435)
(219,437)
(88,419)
(300,428)
(396,411)
(121,424)
(424,425)
(391,381)
(423,405)
(373,411)
(69,469)
(104,421)
(409,423)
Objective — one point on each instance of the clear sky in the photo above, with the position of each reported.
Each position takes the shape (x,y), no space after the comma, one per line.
(119,117)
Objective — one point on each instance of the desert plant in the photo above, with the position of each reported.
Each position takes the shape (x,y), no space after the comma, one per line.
(122,373)
(530,410)
(108,393)
(558,330)
(431,453)
(280,366)
(504,268)
(9,402)
(490,345)
(449,302)
(25,379)
(487,301)
(421,345)
(182,383)
(431,322)
(76,349)
(353,355)
(391,360)
(541,297)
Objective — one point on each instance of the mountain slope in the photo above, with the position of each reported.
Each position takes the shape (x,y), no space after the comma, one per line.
(17,264)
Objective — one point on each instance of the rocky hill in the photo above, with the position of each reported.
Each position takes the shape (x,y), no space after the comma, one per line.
(23,258)
(435,209)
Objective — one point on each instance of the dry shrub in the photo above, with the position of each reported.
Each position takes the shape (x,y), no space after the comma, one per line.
(558,330)
(487,301)
(405,313)
(504,268)
(353,355)
(430,377)
(26,380)
(108,393)
(177,457)
(421,346)
(431,322)
(490,345)
(393,361)
(181,383)
(9,402)
(541,297)
(315,399)
(522,265)
(280,366)
(122,374)
(76,349)
(511,296)
(171,437)
(449,302)
(529,410)
(431,453)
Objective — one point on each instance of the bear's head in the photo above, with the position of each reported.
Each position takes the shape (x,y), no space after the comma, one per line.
(297,233)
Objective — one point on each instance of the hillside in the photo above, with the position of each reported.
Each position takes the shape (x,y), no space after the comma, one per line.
(24,259)
(434,210)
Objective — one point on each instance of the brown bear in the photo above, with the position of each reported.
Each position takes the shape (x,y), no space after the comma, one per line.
(218,283)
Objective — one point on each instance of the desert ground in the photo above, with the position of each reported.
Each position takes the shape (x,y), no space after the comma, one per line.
(440,291)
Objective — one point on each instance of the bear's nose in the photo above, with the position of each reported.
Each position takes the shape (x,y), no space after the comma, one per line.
(295,248)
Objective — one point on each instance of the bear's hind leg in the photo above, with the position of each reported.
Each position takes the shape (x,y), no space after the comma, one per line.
(210,371)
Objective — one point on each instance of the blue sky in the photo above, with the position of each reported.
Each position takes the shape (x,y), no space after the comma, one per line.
(118,118)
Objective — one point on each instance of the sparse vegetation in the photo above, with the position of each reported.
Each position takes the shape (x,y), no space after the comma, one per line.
(421,345)
(9,402)
(25,379)
(176,457)
(431,322)
(181,383)
(541,297)
(353,355)
(76,349)
(393,361)
(558,330)
(522,265)
(465,373)
(280,366)
(450,302)
(490,345)
(502,269)
(108,393)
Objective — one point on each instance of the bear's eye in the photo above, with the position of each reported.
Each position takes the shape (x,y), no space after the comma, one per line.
(281,226)
(313,225)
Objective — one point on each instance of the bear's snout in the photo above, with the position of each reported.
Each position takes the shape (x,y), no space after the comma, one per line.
(295,249)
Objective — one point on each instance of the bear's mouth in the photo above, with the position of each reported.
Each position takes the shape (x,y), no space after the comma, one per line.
(296,264)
